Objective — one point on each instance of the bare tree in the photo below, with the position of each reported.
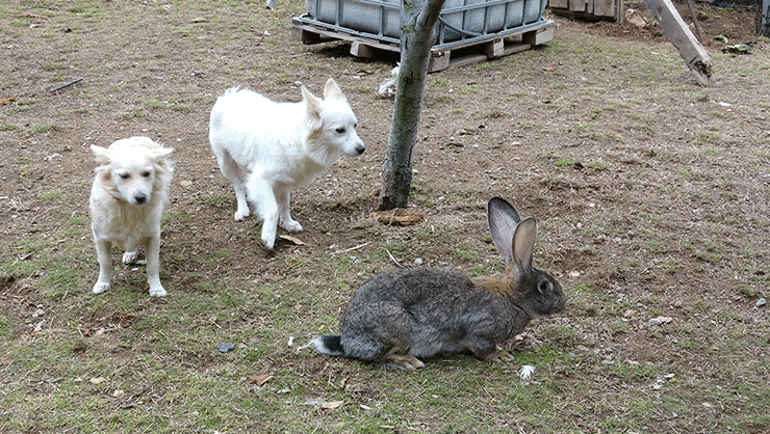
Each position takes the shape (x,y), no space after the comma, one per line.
(418,19)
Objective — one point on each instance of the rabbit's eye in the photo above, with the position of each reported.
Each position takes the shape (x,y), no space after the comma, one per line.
(544,286)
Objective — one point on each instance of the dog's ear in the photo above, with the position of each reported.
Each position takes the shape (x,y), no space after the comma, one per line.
(313,109)
(162,153)
(332,91)
(101,155)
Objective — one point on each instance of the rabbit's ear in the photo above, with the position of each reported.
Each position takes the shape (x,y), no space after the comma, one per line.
(523,245)
(503,219)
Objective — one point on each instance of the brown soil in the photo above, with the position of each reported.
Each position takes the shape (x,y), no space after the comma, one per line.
(648,188)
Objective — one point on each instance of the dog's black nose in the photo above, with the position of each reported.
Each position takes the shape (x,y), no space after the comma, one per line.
(360,149)
(140,199)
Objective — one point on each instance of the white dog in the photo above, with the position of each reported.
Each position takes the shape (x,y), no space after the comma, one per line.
(268,149)
(127,199)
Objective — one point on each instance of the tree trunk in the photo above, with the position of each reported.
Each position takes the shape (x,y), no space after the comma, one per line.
(763,18)
(418,21)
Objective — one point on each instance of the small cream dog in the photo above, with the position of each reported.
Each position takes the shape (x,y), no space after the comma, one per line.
(267,149)
(127,199)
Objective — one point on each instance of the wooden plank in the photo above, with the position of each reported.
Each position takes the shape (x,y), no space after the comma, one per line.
(604,8)
(577,5)
(438,61)
(539,36)
(695,57)
(620,11)
(360,49)
(494,48)
(561,4)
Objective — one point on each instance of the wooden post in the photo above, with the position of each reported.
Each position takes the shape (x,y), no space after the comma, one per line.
(764,18)
(680,35)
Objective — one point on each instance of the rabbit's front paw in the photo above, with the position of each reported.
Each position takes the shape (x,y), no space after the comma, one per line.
(500,356)
(403,362)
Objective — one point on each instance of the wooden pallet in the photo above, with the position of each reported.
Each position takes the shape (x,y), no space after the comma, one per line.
(458,54)
(589,9)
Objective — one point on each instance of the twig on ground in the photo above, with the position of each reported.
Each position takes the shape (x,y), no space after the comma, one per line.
(77,80)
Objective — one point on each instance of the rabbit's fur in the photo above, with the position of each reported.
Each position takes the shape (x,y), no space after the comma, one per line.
(396,318)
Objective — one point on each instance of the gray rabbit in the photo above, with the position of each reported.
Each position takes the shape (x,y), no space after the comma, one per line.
(396,318)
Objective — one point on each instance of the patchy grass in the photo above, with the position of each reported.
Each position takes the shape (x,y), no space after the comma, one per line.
(651,201)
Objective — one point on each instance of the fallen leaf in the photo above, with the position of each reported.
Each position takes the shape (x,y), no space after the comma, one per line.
(98,380)
(118,394)
(260,380)
(295,241)
(332,404)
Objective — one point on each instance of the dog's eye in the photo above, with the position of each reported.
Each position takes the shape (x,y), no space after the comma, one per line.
(146,174)
(124,176)
(341,130)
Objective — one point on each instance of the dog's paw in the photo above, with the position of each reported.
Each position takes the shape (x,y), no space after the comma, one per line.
(130,257)
(157,291)
(241,214)
(292,226)
(269,231)
(269,243)
(101,287)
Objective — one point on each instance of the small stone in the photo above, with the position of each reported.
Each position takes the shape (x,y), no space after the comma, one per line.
(761,302)
(225,348)
(661,320)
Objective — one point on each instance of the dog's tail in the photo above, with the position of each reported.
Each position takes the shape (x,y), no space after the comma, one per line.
(330,345)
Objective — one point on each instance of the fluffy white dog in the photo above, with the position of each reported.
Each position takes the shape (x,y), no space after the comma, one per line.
(127,199)
(267,149)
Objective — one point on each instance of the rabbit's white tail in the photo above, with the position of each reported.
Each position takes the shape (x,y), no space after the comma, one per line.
(330,345)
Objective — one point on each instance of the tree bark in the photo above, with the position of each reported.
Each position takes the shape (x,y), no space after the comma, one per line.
(418,21)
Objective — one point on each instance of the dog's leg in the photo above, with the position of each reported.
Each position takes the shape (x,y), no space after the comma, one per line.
(105,265)
(284,212)
(262,196)
(152,247)
(243,207)
(130,257)
(232,172)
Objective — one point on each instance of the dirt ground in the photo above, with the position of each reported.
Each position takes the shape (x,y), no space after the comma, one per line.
(648,188)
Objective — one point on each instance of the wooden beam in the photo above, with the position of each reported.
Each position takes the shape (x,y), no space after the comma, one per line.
(695,57)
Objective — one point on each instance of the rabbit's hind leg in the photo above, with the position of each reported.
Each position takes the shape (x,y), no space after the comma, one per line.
(402,362)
